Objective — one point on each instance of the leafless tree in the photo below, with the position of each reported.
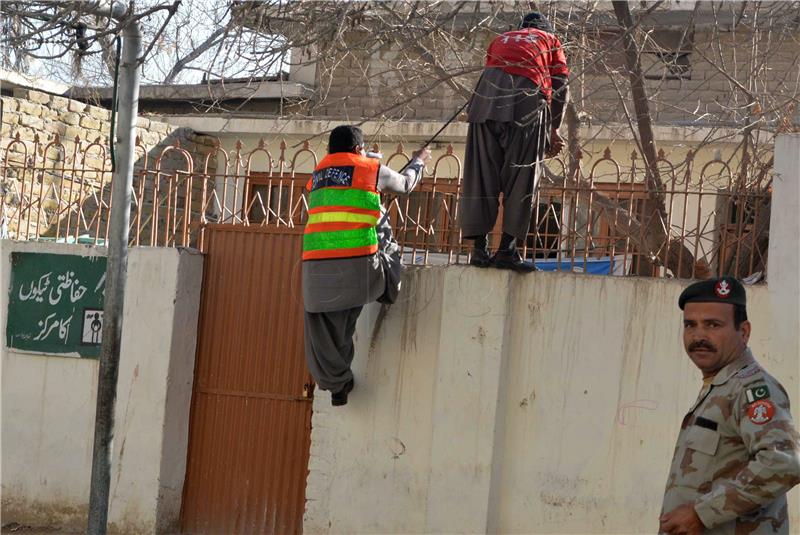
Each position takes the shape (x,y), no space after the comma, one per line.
(630,66)
(185,41)
(730,67)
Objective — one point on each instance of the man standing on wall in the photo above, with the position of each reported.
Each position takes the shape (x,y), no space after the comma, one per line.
(349,255)
(737,451)
(513,119)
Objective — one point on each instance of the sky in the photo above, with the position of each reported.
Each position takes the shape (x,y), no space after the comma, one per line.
(245,54)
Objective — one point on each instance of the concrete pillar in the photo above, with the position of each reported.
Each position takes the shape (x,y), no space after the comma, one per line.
(783,265)
(154,389)
(466,394)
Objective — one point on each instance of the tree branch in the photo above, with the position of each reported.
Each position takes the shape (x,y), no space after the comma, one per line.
(181,64)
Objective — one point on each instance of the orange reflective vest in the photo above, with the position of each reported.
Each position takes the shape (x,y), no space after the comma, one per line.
(343,208)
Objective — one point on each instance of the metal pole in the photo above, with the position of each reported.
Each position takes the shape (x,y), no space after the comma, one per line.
(116,270)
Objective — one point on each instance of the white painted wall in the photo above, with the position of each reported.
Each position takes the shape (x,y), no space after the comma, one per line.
(783,267)
(502,403)
(48,404)
(550,403)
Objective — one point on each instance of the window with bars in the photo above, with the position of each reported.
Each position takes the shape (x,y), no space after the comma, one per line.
(269,197)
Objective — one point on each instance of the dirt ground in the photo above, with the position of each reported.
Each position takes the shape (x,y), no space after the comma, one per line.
(21,529)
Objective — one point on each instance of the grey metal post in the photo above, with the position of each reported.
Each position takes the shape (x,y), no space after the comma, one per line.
(121,185)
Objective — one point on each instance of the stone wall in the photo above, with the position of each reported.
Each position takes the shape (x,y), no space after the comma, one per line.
(57,150)
(376,82)
(707,94)
(387,83)
(30,113)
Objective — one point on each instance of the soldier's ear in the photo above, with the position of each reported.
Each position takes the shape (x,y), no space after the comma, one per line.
(744,329)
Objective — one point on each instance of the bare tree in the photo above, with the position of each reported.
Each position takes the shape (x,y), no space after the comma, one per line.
(185,41)
(47,31)
(732,68)
(381,60)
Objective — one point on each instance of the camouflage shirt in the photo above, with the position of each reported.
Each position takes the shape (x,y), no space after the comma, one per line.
(737,453)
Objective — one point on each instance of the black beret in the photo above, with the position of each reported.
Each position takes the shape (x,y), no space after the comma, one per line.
(724,290)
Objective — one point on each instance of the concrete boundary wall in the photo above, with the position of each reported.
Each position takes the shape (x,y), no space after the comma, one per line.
(48,404)
(495,402)
(489,401)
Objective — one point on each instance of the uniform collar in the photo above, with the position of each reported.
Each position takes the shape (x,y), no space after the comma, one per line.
(744,359)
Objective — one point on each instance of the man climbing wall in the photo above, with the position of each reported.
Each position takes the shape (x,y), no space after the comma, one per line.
(349,255)
(513,123)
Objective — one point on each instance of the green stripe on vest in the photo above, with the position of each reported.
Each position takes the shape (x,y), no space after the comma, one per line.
(355,198)
(340,239)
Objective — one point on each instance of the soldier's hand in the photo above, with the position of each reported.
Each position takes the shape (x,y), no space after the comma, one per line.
(423,154)
(556,144)
(681,520)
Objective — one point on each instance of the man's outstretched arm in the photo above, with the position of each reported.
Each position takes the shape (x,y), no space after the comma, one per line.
(390,181)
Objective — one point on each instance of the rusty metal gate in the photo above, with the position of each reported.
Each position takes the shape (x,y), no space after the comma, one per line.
(250,424)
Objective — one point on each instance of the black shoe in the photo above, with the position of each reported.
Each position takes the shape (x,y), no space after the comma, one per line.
(480,258)
(340,398)
(480,252)
(505,259)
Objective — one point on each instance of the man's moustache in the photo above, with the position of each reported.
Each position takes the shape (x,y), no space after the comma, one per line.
(694,346)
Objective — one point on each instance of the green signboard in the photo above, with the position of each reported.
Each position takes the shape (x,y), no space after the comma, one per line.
(55,303)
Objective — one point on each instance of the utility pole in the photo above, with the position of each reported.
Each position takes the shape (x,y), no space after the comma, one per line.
(116,270)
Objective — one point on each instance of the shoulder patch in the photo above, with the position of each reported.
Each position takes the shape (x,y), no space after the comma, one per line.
(761,411)
(748,371)
(757,392)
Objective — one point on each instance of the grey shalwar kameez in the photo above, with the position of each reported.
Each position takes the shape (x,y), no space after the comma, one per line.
(336,290)
(509,124)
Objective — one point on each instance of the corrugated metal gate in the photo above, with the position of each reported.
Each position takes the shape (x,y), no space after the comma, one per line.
(250,425)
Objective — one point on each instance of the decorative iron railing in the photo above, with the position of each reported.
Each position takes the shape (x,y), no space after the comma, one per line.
(690,223)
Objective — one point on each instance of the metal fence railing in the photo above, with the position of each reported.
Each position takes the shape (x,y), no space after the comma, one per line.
(693,222)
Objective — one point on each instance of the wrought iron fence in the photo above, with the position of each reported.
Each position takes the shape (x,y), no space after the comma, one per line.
(691,222)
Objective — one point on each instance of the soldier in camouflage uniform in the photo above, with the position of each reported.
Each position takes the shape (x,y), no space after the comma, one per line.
(737,451)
